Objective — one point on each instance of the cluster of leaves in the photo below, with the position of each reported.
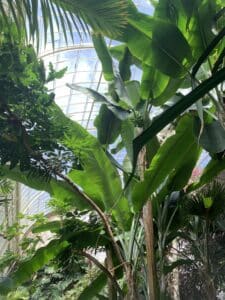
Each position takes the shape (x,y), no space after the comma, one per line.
(196,223)
(165,68)
(60,275)
(28,131)
(65,265)
(15,232)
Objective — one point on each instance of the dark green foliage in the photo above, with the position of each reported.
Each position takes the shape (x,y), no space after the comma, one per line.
(212,138)
(94,288)
(6,187)
(57,277)
(166,46)
(108,126)
(174,111)
(207,202)
(73,236)
(169,59)
(168,162)
(27,129)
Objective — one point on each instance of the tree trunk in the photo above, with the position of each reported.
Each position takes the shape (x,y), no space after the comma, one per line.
(131,284)
(149,240)
(149,234)
(112,294)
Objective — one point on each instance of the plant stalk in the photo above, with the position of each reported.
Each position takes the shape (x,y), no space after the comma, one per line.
(109,265)
(149,239)
(100,213)
(105,270)
(147,219)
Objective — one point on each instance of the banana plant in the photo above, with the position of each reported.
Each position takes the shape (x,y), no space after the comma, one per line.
(168,171)
(165,71)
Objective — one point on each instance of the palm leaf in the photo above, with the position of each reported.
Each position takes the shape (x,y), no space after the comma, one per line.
(6,187)
(64,14)
(207,202)
(106,16)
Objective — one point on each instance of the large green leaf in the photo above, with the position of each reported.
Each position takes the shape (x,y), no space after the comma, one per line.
(182,175)
(101,182)
(123,55)
(171,51)
(118,52)
(27,268)
(153,82)
(99,178)
(127,134)
(139,45)
(104,56)
(212,137)
(141,22)
(125,64)
(169,91)
(120,112)
(104,187)
(195,19)
(133,92)
(56,188)
(174,111)
(94,288)
(213,168)
(157,86)
(200,27)
(168,159)
(108,126)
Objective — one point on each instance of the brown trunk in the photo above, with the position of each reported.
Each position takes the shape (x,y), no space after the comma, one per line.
(112,295)
(210,289)
(149,240)
(149,234)
(131,284)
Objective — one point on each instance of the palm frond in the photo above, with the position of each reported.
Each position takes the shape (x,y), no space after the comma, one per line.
(206,202)
(6,187)
(105,16)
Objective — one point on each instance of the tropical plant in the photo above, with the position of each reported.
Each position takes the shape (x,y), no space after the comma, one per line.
(166,72)
(88,177)
(200,243)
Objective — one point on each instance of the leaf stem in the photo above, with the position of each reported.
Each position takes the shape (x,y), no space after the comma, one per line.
(104,270)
